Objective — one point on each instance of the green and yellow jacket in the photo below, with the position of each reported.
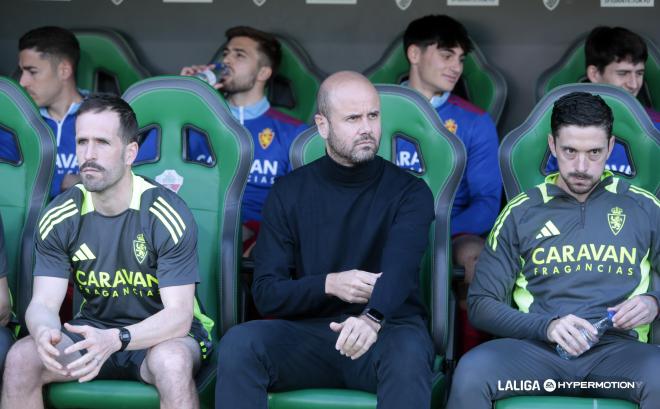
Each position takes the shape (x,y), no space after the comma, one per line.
(549,255)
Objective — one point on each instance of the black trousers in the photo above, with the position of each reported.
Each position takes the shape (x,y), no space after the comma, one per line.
(279,355)
(482,374)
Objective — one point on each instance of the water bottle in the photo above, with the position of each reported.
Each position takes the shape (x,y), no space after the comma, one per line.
(601,326)
(213,74)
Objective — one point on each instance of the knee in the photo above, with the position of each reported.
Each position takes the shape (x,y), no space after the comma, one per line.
(406,356)
(650,382)
(472,368)
(238,346)
(22,364)
(170,359)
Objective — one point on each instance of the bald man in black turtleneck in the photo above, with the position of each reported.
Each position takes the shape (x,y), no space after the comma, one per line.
(355,226)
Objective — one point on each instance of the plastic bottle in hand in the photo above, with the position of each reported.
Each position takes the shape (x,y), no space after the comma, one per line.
(213,74)
(601,326)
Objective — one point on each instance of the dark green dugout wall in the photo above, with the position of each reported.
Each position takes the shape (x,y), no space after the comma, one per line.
(522,38)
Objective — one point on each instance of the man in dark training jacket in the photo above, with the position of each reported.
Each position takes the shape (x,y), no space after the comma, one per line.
(568,252)
(350,316)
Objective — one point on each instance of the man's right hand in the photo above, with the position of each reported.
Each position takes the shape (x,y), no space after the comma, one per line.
(194,69)
(565,331)
(353,286)
(46,340)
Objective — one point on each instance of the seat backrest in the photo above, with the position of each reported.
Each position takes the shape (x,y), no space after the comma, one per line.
(213,192)
(293,88)
(406,114)
(25,185)
(523,152)
(107,62)
(571,68)
(481,83)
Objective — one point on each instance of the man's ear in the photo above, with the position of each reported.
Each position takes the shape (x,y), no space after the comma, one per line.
(131,153)
(64,69)
(413,53)
(610,145)
(322,125)
(264,73)
(593,74)
(551,145)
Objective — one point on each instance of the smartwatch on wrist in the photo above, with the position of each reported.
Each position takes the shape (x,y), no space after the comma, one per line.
(124,337)
(374,315)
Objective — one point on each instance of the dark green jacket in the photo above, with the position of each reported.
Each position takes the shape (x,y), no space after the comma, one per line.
(556,256)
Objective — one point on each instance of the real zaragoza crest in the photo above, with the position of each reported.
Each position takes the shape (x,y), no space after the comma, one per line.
(140,248)
(266,137)
(616,219)
(451,125)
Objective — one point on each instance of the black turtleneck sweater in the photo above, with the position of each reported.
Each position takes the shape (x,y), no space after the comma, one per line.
(326,218)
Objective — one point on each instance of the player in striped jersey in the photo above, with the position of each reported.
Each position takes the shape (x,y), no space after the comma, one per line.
(131,246)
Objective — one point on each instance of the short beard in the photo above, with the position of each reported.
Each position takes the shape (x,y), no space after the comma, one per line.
(237,85)
(352,155)
(105,179)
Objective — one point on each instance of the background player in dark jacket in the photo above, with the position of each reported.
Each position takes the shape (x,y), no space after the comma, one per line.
(355,227)
(568,251)
(131,246)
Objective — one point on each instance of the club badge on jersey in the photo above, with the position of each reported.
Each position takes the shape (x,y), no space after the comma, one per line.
(266,138)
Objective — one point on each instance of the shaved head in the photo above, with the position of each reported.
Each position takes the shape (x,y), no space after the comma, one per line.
(338,80)
(349,118)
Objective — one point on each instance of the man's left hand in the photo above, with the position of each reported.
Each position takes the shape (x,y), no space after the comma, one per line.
(356,336)
(99,343)
(639,310)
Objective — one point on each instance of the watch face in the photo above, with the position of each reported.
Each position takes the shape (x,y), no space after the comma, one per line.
(376,314)
(124,335)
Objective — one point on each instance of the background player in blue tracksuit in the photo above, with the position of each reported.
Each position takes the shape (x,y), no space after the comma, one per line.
(48,58)
(436,47)
(615,56)
(251,57)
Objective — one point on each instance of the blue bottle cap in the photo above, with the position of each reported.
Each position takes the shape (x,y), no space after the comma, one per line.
(610,314)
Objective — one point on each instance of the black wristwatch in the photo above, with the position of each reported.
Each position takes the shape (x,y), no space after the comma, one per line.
(374,315)
(124,337)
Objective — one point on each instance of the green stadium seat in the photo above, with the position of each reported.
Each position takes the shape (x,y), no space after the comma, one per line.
(524,150)
(405,113)
(523,153)
(26,185)
(571,68)
(543,402)
(212,192)
(107,62)
(481,83)
(294,87)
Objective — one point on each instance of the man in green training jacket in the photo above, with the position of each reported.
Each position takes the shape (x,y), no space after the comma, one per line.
(569,250)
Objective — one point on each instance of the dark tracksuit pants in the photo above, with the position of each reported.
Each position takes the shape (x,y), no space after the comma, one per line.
(482,373)
(279,355)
